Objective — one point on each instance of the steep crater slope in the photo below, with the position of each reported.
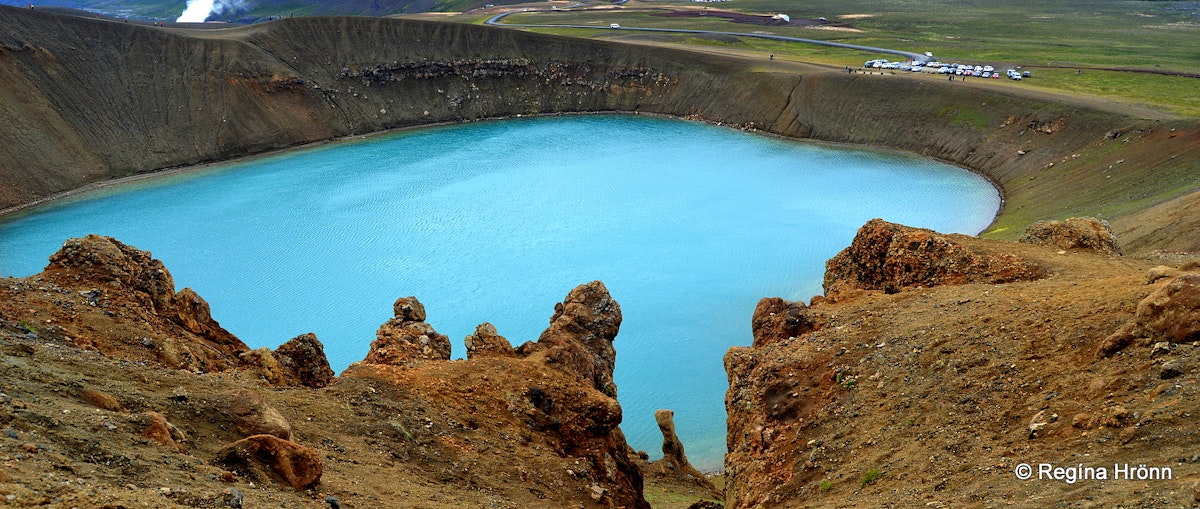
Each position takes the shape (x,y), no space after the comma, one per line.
(93,100)
(937,365)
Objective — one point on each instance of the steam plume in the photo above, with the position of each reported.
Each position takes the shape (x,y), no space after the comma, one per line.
(199,11)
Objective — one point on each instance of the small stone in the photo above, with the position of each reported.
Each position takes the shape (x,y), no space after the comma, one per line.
(179,394)
(30,448)
(333,502)
(1160,348)
(232,498)
(598,492)
(10,433)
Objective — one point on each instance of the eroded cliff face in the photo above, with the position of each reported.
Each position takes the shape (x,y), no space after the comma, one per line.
(112,99)
(943,362)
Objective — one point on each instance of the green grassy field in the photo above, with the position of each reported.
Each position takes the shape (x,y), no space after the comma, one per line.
(1053,40)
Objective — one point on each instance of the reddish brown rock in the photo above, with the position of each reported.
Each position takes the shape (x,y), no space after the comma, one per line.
(409,309)
(303,362)
(579,339)
(1076,233)
(407,337)
(156,428)
(245,412)
(192,312)
(263,457)
(776,319)
(889,257)
(674,463)
(112,264)
(1171,313)
(175,329)
(101,399)
(262,362)
(487,342)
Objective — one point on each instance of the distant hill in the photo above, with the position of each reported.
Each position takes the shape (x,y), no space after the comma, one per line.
(250,11)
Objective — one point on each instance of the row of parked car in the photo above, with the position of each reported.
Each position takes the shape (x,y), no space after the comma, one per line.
(979,71)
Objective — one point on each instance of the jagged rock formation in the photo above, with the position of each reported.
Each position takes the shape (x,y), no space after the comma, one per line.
(579,339)
(303,362)
(888,257)
(107,276)
(1086,233)
(487,342)
(558,388)
(674,463)
(407,337)
(529,425)
(775,320)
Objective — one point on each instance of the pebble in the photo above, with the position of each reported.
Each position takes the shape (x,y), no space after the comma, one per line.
(232,498)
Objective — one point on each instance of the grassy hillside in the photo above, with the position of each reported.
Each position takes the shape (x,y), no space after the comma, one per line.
(1123,50)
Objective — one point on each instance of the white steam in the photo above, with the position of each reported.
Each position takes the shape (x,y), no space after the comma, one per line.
(199,11)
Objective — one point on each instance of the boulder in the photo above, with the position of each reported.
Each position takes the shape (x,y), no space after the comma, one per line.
(407,337)
(487,342)
(245,412)
(1076,233)
(303,362)
(262,362)
(102,400)
(776,319)
(1171,313)
(268,457)
(889,257)
(156,428)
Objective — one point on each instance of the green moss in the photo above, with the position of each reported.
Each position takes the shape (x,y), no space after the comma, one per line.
(871,476)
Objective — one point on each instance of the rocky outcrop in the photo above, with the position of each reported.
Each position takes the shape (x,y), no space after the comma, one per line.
(1076,233)
(115,277)
(268,457)
(303,363)
(487,342)
(579,339)
(109,263)
(1171,314)
(407,338)
(557,393)
(775,319)
(889,257)
(674,462)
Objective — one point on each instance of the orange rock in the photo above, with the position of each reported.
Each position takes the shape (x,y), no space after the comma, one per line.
(264,457)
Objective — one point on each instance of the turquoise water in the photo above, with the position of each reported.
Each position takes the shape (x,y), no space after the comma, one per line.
(688,225)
